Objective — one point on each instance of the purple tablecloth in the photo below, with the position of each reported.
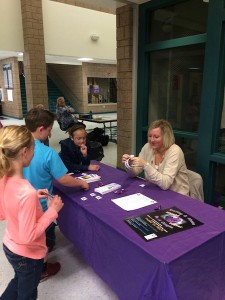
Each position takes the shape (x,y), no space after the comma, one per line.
(187,265)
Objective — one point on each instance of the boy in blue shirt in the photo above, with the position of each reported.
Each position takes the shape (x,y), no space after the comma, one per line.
(45,166)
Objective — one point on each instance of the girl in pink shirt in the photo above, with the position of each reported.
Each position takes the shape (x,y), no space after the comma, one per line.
(24,239)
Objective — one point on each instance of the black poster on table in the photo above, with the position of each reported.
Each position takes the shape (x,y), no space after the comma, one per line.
(161,223)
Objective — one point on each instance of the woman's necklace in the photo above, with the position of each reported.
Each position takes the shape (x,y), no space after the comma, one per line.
(159,158)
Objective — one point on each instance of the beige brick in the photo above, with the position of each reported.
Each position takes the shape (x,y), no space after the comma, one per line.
(128,51)
(34,56)
(120,33)
(120,53)
(124,75)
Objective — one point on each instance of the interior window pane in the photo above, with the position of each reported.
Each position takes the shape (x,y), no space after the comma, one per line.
(189,147)
(176,85)
(101,90)
(179,20)
(221,141)
(219,195)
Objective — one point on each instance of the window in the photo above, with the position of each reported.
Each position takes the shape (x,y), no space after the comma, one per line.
(101,90)
(179,20)
(8,81)
(175,86)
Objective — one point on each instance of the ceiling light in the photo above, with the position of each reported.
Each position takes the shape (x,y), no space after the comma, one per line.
(20,53)
(85,59)
(194,68)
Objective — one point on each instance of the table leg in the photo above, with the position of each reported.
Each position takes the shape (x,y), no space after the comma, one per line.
(110,129)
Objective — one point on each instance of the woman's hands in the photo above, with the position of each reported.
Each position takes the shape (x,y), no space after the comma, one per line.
(71,110)
(127,160)
(125,157)
(133,161)
(137,162)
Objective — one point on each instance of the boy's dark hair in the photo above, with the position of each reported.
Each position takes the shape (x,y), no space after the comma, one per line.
(37,117)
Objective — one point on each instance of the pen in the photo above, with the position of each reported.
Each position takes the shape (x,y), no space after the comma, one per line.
(49,195)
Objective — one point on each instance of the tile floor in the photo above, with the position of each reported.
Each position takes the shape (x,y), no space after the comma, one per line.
(76,280)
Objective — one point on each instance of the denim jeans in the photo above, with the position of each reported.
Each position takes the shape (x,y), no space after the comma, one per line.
(27,277)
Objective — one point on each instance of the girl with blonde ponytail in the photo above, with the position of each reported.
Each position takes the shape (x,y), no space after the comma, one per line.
(24,239)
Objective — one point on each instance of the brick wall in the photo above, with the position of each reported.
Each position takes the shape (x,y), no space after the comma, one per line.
(124,75)
(34,53)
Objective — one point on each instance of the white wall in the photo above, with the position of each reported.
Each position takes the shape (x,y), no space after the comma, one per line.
(68,28)
(11,30)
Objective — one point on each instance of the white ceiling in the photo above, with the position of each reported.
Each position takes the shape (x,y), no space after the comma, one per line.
(111,4)
(107,4)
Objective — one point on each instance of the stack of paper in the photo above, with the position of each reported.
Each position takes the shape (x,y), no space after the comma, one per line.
(89,177)
(107,188)
(134,201)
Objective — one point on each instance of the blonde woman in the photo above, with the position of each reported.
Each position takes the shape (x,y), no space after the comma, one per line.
(161,160)
(64,114)
(24,239)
